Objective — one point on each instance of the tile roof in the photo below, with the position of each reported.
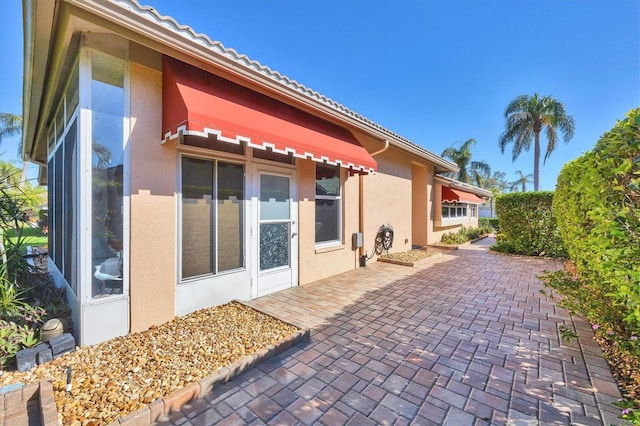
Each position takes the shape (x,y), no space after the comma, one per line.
(151,14)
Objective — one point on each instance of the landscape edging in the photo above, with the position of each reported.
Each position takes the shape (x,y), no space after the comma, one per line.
(175,400)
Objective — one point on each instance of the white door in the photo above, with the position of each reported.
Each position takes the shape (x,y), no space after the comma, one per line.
(277,232)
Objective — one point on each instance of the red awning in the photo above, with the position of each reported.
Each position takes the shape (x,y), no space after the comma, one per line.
(195,102)
(450,195)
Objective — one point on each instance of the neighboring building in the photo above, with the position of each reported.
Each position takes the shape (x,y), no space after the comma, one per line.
(183,175)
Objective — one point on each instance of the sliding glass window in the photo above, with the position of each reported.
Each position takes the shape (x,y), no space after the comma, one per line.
(212,225)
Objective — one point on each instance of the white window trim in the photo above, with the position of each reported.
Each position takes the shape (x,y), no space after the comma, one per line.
(338,198)
(85,271)
(455,206)
(203,154)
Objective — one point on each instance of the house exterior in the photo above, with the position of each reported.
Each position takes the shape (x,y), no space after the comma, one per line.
(182,174)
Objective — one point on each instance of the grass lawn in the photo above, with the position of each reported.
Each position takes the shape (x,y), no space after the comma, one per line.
(30,237)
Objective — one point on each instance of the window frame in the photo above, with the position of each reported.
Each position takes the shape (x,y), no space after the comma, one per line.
(233,160)
(340,207)
(455,207)
(85,272)
(63,182)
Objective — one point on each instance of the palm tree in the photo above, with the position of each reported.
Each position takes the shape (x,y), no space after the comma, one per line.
(103,155)
(525,118)
(11,125)
(462,157)
(522,181)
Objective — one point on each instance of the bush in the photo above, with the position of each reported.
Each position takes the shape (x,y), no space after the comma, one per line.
(528,225)
(598,204)
(619,341)
(22,313)
(43,217)
(464,234)
(455,238)
(489,223)
(18,323)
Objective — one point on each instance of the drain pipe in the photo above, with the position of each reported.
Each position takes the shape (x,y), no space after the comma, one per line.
(386,146)
(363,256)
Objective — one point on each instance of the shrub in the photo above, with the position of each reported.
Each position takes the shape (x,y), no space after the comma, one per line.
(619,340)
(18,324)
(464,234)
(22,313)
(454,238)
(598,204)
(488,223)
(528,225)
(43,217)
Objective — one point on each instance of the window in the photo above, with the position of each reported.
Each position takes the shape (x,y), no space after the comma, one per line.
(474,210)
(454,210)
(70,198)
(57,207)
(107,167)
(62,181)
(212,217)
(328,204)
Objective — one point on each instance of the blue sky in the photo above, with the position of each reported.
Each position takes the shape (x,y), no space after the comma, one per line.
(435,72)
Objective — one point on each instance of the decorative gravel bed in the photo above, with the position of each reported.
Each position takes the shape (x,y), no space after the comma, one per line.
(406,257)
(118,377)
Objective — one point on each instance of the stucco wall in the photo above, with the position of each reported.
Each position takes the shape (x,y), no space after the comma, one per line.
(438,231)
(420,212)
(153,205)
(320,263)
(388,200)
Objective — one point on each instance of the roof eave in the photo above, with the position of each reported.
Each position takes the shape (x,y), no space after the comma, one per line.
(481,192)
(38,17)
(161,31)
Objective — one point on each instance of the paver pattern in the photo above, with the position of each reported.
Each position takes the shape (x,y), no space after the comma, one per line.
(467,339)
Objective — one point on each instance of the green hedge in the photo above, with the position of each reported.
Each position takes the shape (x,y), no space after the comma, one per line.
(528,225)
(489,222)
(598,204)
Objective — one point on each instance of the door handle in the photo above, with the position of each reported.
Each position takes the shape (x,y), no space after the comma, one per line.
(293,234)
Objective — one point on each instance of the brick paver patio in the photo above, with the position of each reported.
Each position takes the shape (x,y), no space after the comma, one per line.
(467,339)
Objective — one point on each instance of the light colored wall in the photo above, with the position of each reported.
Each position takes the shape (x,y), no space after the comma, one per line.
(153,204)
(431,205)
(388,200)
(420,212)
(315,263)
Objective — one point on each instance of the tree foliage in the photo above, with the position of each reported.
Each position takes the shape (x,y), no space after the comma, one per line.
(10,125)
(521,182)
(598,204)
(528,225)
(525,117)
(470,171)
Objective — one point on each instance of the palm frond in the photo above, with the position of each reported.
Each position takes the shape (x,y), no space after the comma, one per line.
(552,138)
(10,125)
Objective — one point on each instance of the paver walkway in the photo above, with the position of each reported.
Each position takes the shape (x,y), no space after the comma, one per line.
(467,339)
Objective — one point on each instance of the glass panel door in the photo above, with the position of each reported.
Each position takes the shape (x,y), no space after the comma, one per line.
(277,238)
(275,218)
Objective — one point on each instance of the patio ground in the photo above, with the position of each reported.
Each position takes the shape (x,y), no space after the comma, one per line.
(466,339)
